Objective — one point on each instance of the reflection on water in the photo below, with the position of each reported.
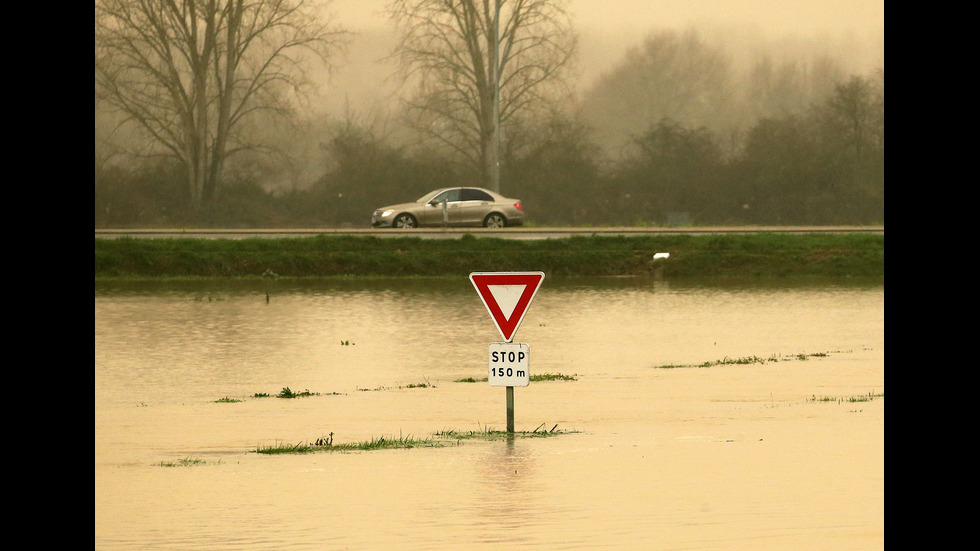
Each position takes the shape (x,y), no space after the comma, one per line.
(721,457)
(510,484)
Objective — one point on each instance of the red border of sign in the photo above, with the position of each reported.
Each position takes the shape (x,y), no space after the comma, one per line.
(507,326)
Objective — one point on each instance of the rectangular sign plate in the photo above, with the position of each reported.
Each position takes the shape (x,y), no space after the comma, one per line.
(510,364)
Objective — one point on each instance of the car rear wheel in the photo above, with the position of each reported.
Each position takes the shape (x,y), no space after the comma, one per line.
(405,221)
(494,220)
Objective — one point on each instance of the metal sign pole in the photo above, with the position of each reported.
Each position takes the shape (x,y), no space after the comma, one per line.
(510,409)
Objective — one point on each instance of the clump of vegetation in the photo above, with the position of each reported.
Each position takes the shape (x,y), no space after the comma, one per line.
(424,384)
(227,400)
(552,377)
(840,399)
(437,440)
(287,393)
(280,447)
(734,361)
(379,443)
(746,360)
(389,443)
(534,378)
(185,462)
(490,434)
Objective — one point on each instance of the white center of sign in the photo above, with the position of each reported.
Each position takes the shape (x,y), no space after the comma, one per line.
(507,297)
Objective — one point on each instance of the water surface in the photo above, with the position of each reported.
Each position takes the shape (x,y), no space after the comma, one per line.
(733,456)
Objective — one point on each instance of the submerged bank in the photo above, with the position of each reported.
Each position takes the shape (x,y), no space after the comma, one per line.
(753,255)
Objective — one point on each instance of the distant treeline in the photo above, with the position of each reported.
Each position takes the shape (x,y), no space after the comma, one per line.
(825,166)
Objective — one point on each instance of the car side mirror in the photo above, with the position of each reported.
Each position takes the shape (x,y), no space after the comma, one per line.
(435,202)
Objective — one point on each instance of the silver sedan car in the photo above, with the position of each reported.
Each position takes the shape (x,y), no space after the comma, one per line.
(458,206)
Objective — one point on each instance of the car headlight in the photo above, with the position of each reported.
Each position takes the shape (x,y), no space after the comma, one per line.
(387,213)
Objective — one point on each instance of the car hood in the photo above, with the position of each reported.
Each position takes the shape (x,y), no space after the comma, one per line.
(399,206)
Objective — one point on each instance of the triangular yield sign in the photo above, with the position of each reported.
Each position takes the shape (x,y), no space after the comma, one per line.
(506,296)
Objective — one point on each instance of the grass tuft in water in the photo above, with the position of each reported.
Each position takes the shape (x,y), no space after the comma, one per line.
(286,393)
(379,443)
(437,440)
(388,443)
(425,384)
(841,399)
(490,434)
(280,447)
(552,377)
(747,360)
(185,462)
(534,378)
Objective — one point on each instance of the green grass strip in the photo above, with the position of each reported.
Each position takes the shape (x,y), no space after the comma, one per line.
(749,255)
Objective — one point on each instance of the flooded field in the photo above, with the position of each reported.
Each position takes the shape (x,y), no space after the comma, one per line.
(766,454)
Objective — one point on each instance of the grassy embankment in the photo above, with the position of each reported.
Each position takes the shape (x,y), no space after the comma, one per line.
(751,255)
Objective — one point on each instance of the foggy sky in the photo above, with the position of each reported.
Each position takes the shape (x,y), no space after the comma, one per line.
(608,28)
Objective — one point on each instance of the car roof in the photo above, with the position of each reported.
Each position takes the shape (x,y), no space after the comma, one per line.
(433,193)
(442,189)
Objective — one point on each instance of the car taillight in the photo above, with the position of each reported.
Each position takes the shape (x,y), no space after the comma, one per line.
(518,206)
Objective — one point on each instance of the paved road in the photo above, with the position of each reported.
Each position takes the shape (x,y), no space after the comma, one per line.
(455,233)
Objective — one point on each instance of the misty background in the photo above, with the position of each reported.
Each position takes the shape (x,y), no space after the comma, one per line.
(677,112)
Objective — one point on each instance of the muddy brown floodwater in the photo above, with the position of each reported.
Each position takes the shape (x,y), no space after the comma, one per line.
(771,454)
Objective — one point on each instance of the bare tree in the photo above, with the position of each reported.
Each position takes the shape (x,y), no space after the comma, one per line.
(190,73)
(481,65)
(856,111)
(672,75)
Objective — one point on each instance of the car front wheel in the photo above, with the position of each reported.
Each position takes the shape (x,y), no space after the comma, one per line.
(405,221)
(494,220)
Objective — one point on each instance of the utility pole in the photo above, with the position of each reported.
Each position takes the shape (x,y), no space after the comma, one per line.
(495,65)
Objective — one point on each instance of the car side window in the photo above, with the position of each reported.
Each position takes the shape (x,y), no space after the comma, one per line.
(450,195)
(470,194)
